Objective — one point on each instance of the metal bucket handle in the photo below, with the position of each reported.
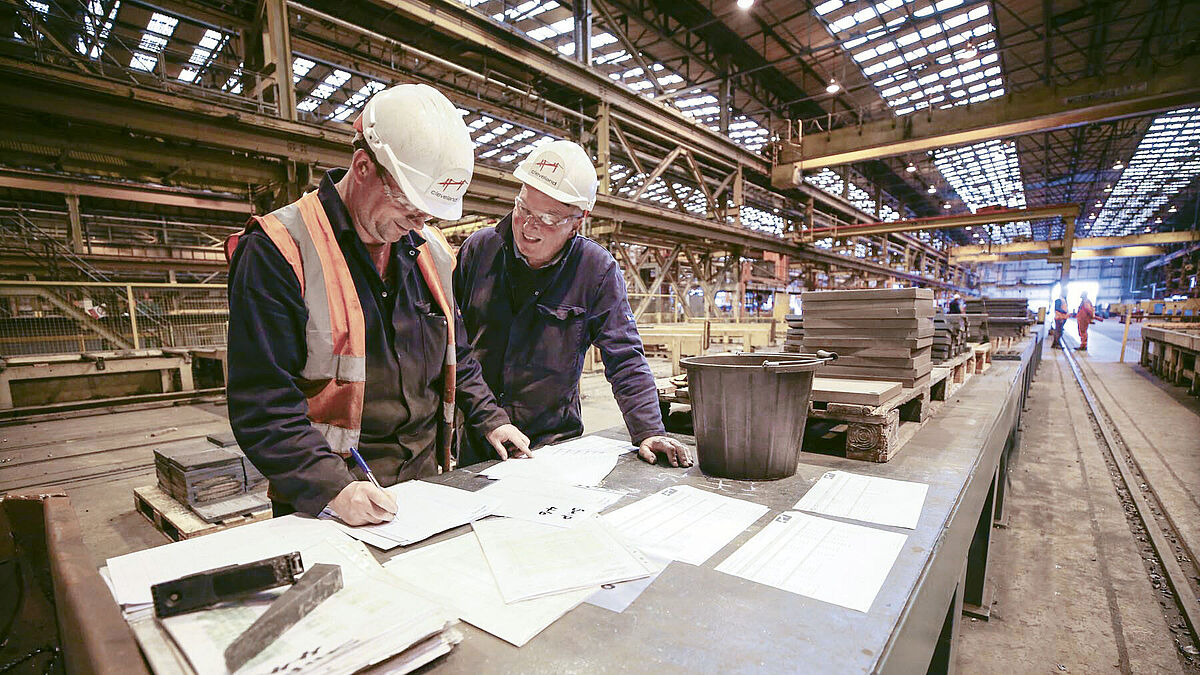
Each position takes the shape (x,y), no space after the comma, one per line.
(799,366)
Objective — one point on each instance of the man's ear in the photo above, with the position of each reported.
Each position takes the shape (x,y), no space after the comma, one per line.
(361,165)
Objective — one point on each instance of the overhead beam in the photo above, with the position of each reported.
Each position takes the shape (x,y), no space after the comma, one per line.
(968,253)
(1042,108)
(20,180)
(993,217)
(1118,252)
(477,31)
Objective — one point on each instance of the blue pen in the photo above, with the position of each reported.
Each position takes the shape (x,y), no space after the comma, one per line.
(363,465)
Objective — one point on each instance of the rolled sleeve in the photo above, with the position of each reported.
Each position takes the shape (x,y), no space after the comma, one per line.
(267,410)
(613,329)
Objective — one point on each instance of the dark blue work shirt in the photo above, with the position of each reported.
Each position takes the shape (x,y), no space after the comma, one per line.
(405,347)
(532,348)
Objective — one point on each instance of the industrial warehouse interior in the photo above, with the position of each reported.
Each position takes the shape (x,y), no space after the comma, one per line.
(672,336)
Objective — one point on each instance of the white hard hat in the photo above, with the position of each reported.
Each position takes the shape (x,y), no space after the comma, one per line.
(418,135)
(562,170)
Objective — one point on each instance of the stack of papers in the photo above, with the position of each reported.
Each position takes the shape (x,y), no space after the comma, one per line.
(873,500)
(474,595)
(422,510)
(546,502)
(819,558)
(580,461)
(684,523)
(133,574)
(532,560)
(369,621)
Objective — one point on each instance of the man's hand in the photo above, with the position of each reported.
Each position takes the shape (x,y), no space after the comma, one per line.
(361,503)
(675,452)
(507,433)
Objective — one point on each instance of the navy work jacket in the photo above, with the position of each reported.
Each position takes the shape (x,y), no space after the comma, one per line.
(532,349)
(405,343)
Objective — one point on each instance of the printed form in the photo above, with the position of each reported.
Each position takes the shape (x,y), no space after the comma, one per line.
(835,562)
(873,500)
(546,502)
(531,560)
(473,595)
(684,523)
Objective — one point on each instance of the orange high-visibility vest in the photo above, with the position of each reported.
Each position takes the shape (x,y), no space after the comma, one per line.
(335,368)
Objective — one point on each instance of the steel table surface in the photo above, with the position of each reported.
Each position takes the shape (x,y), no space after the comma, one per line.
(695,619)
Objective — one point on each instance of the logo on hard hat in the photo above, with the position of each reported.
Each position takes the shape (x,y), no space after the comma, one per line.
(549,168)
(450,187)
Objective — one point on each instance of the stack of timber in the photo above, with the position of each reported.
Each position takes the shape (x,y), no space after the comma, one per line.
(949,336)
(878,334)
(977,327)
(1006,317)
(794,343)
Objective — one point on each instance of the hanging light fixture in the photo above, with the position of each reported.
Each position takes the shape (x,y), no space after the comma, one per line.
(1172,209)
(911,168)
(745,4)
(1118,166)
(833,86)
(969,51)
(931,189)
(946,205)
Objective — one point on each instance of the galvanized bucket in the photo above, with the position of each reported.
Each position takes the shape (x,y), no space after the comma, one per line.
(749,411)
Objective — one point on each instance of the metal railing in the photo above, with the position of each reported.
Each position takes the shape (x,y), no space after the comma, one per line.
(45,317)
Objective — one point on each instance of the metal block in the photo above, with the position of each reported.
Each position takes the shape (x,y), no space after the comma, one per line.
(210,587)
(317,584)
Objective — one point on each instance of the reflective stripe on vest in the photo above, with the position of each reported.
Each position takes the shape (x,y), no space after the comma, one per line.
(335,333)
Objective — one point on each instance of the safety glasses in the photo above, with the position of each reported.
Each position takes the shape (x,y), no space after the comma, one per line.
(547,220)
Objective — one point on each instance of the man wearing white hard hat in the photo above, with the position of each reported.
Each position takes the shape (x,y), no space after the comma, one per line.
(536,295)
(344,337)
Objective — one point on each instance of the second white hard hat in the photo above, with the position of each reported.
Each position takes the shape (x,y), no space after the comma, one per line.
(563,171)
(418,135)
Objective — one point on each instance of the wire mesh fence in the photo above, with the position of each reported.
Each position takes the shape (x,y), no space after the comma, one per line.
(41,318)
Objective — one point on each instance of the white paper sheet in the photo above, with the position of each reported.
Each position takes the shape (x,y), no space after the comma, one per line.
(356,627)
(836,562)
(874,500)
(580,461)
(684,523)
(472,593)
(618,597)
(133,574)
(546,502)
(422,510)
(532,560)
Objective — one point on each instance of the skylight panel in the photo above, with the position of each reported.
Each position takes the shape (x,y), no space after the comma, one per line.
(986,174)
(234,84)
(356,101)
(332,82)
(96,27)
(203,54)
(158,30)
(300,68)
(1165,162)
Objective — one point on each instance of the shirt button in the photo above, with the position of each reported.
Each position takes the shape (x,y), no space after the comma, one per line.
(411,252)
(384,294)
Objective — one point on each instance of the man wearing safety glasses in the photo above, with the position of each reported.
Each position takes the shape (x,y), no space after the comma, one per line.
(535,296)
(343,330)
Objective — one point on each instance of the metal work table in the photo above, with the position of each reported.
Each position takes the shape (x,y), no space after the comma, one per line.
(695,619)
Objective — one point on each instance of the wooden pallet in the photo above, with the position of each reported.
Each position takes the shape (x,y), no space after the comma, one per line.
(960,369)
(176,520)
(869,433)
(983,357)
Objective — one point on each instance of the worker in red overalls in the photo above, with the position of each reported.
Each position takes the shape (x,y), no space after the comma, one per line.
(1060,320)
(1083,319)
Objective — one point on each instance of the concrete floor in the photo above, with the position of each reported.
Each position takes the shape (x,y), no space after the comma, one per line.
(1071,592)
